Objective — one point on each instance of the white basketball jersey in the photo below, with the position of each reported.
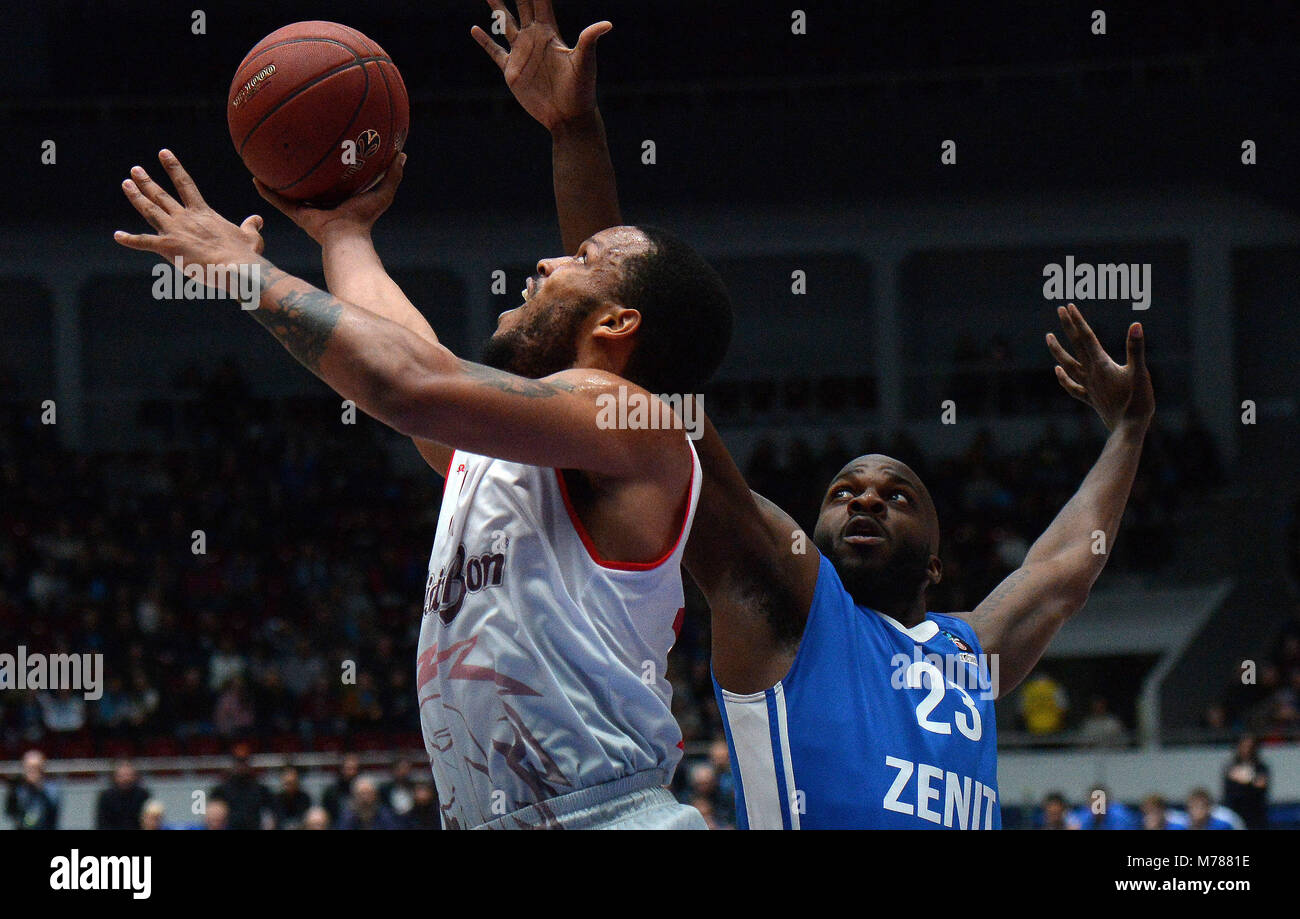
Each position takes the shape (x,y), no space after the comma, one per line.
(541,666)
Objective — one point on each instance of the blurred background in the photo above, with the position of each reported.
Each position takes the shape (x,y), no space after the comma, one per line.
(774,153)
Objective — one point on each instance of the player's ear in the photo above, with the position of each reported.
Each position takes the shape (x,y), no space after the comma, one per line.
(934,570)
(617,322)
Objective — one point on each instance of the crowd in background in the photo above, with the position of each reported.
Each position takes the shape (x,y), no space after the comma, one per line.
(1243,804)
(405,798)
(263,584)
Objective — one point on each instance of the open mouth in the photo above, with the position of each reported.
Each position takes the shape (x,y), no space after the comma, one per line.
(864,531)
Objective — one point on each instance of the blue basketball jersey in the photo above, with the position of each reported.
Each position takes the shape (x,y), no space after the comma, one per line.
(876,726)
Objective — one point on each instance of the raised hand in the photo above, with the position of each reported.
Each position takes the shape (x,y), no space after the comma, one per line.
(188,229)
(356,214)
(553,82)
(1119,393)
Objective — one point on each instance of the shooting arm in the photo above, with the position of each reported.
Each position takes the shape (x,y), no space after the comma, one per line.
(355,274)
(421,389)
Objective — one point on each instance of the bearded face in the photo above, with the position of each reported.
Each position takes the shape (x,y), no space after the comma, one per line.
(541,336)
(539,344)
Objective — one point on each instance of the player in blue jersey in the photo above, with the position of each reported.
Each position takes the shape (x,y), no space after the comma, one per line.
(848,703)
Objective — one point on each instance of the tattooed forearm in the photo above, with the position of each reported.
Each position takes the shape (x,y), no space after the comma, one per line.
(302,320)
(515,385)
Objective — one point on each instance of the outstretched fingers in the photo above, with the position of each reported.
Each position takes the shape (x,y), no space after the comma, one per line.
(543,12)
(508,22)
(586,45)
(1071,328)
(1063,357)
(185,186)
(145,242)
(498,54)
(154,193)
(1136,347)
(1070,385)
(151,212)
(1087,339)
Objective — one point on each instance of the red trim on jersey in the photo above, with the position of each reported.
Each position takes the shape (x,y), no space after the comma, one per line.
(446,478)
(591,546)
(677,622)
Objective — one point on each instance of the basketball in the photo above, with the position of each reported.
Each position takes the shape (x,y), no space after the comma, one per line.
(317,111)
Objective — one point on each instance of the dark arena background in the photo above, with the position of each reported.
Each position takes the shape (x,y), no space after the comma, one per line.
(180,496)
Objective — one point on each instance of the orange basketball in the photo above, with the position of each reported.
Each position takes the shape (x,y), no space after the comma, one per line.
(317,111)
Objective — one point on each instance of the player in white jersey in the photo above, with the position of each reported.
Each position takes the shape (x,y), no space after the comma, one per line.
(554,591)
(555,584)
(541,665)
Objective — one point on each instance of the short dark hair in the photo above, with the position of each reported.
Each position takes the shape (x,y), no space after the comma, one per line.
(686,315)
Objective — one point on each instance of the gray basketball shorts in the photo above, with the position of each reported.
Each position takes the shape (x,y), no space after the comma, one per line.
(636,802)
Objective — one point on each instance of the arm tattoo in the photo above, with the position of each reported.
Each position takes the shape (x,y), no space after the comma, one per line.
(303,320)
(515,385)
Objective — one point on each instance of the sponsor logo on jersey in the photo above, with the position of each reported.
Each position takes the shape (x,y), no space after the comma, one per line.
(446,589)
(967,655)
